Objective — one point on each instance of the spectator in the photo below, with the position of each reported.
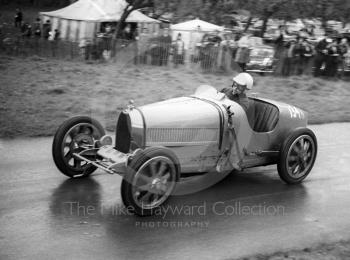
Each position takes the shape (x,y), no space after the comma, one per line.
(280,50)
(165,44)
(53,38)
(307,54)
(18,18)
(332,59)
(143,44)
(37,28)
(23,27)
(343,50)
(127,35)
(321,56)
(297,57)
(234,48)
(243,52)
(108,29)
(107,43)
(209,51)
(196,38)
(47,29)
(85,46)
(57,35)
(179,49)
(288,64)
(208,56)
(98,47)
(225,55)
(279,43)
(154,49)
(134,46)
(27,30)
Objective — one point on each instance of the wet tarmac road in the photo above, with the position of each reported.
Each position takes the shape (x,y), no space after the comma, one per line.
(45,215)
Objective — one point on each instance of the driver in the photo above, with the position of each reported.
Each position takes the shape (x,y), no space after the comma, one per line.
(241,83)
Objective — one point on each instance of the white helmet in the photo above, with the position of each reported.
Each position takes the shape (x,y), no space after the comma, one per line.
(244,79)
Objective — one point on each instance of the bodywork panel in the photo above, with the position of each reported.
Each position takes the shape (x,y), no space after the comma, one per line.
(190,127)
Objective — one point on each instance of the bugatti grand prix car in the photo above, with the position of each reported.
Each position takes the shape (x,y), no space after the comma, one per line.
(158,144)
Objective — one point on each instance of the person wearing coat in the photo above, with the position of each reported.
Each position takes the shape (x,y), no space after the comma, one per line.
(243,52)
(321,56)
(332,60)
(307,57)
(179,49)
(344,53)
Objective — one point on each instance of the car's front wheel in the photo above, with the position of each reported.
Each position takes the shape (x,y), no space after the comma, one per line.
(150,179)
(297,156)
(73,136)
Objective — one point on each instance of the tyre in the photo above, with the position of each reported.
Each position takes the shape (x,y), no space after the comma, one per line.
(150,179)
(73,136)
(297,156)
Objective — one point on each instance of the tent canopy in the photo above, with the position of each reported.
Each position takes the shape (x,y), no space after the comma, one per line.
(98,11)
(193,26)
(190,33)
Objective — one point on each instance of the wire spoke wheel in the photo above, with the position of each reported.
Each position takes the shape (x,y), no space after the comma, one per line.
(150,179)
(300,156)
(74,136)
(153,182)
(297,156)
(77,139)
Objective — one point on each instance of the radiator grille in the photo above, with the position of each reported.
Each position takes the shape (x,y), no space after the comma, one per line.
(123,135)
(182,135)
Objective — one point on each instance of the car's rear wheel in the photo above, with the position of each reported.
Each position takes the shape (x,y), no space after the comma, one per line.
(73,136)
(150,179)
(297,156)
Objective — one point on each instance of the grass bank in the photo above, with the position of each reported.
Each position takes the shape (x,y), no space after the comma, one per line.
(37,94)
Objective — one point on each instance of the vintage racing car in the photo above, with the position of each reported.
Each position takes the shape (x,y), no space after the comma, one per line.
(156,145)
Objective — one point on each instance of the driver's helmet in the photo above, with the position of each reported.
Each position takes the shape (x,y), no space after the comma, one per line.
(244,79)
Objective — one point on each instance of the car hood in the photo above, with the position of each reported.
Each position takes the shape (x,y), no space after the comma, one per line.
(182,112)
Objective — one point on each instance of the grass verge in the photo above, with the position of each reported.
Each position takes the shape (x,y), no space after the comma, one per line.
(37,94)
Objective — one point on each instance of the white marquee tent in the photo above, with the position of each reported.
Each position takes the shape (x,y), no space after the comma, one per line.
(193,25)
(192,31)
(82,19)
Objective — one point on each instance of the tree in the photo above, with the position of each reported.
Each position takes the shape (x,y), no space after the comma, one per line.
(341,10)
(266,9)
(131,5)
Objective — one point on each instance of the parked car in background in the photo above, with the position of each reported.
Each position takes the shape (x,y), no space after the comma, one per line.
(261,57)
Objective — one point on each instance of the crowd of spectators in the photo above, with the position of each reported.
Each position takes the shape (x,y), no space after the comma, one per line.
(303,55)
(28,35)
(295,56)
